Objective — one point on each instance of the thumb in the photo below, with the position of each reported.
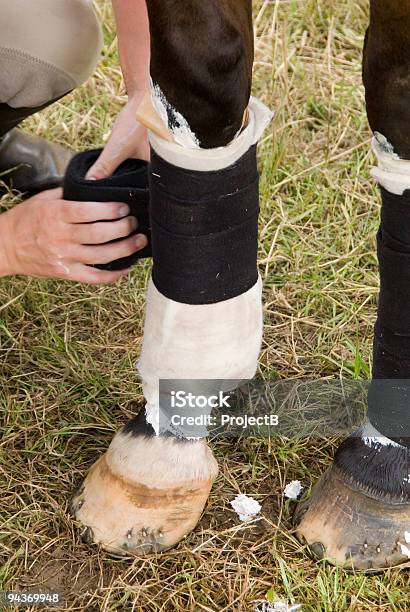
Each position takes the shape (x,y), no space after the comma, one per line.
(106,164)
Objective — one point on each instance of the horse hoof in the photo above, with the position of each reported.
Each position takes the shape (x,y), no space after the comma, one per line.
(144,495)
(351,527)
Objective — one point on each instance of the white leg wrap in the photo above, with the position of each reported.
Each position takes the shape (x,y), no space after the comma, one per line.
(209,341)
(214,341)
(392,173)
(221,157)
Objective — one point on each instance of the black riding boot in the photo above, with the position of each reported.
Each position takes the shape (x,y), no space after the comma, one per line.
(28,163)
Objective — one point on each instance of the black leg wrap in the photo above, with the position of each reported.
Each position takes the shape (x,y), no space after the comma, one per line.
(389,394)
(204,247)
(129,184)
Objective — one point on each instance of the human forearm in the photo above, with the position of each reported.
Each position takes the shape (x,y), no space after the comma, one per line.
(133,43)
(128,137)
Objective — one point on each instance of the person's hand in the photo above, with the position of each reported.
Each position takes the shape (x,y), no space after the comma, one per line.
(46,236)
(128,139)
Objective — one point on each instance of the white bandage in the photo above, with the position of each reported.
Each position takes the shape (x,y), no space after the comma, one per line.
(221,157)
(212,341)
(392,173)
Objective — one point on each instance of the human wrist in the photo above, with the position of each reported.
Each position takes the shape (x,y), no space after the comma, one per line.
(136,95)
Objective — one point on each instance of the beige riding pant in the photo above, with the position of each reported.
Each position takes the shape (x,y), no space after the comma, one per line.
(47,48)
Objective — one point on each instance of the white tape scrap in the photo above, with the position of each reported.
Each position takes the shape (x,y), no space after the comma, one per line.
(245,507)
(392,173)
(293,489)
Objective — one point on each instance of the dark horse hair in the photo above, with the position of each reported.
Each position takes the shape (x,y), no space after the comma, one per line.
(382,471)
(386,72)
(201,58)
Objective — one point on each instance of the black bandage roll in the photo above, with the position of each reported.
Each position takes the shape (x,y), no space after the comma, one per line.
(128,184)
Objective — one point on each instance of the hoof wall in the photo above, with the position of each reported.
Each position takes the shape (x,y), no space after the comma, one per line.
(130,519)
(351,528)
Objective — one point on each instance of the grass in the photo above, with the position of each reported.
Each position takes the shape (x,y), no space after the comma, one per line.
(68,352)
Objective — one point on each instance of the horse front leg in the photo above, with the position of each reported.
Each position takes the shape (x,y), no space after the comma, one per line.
(359,512)
(204,312)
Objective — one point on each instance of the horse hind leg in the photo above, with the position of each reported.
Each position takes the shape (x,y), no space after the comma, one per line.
(358,515)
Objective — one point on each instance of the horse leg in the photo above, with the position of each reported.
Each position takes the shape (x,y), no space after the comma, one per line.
(203,314)
(359,512)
